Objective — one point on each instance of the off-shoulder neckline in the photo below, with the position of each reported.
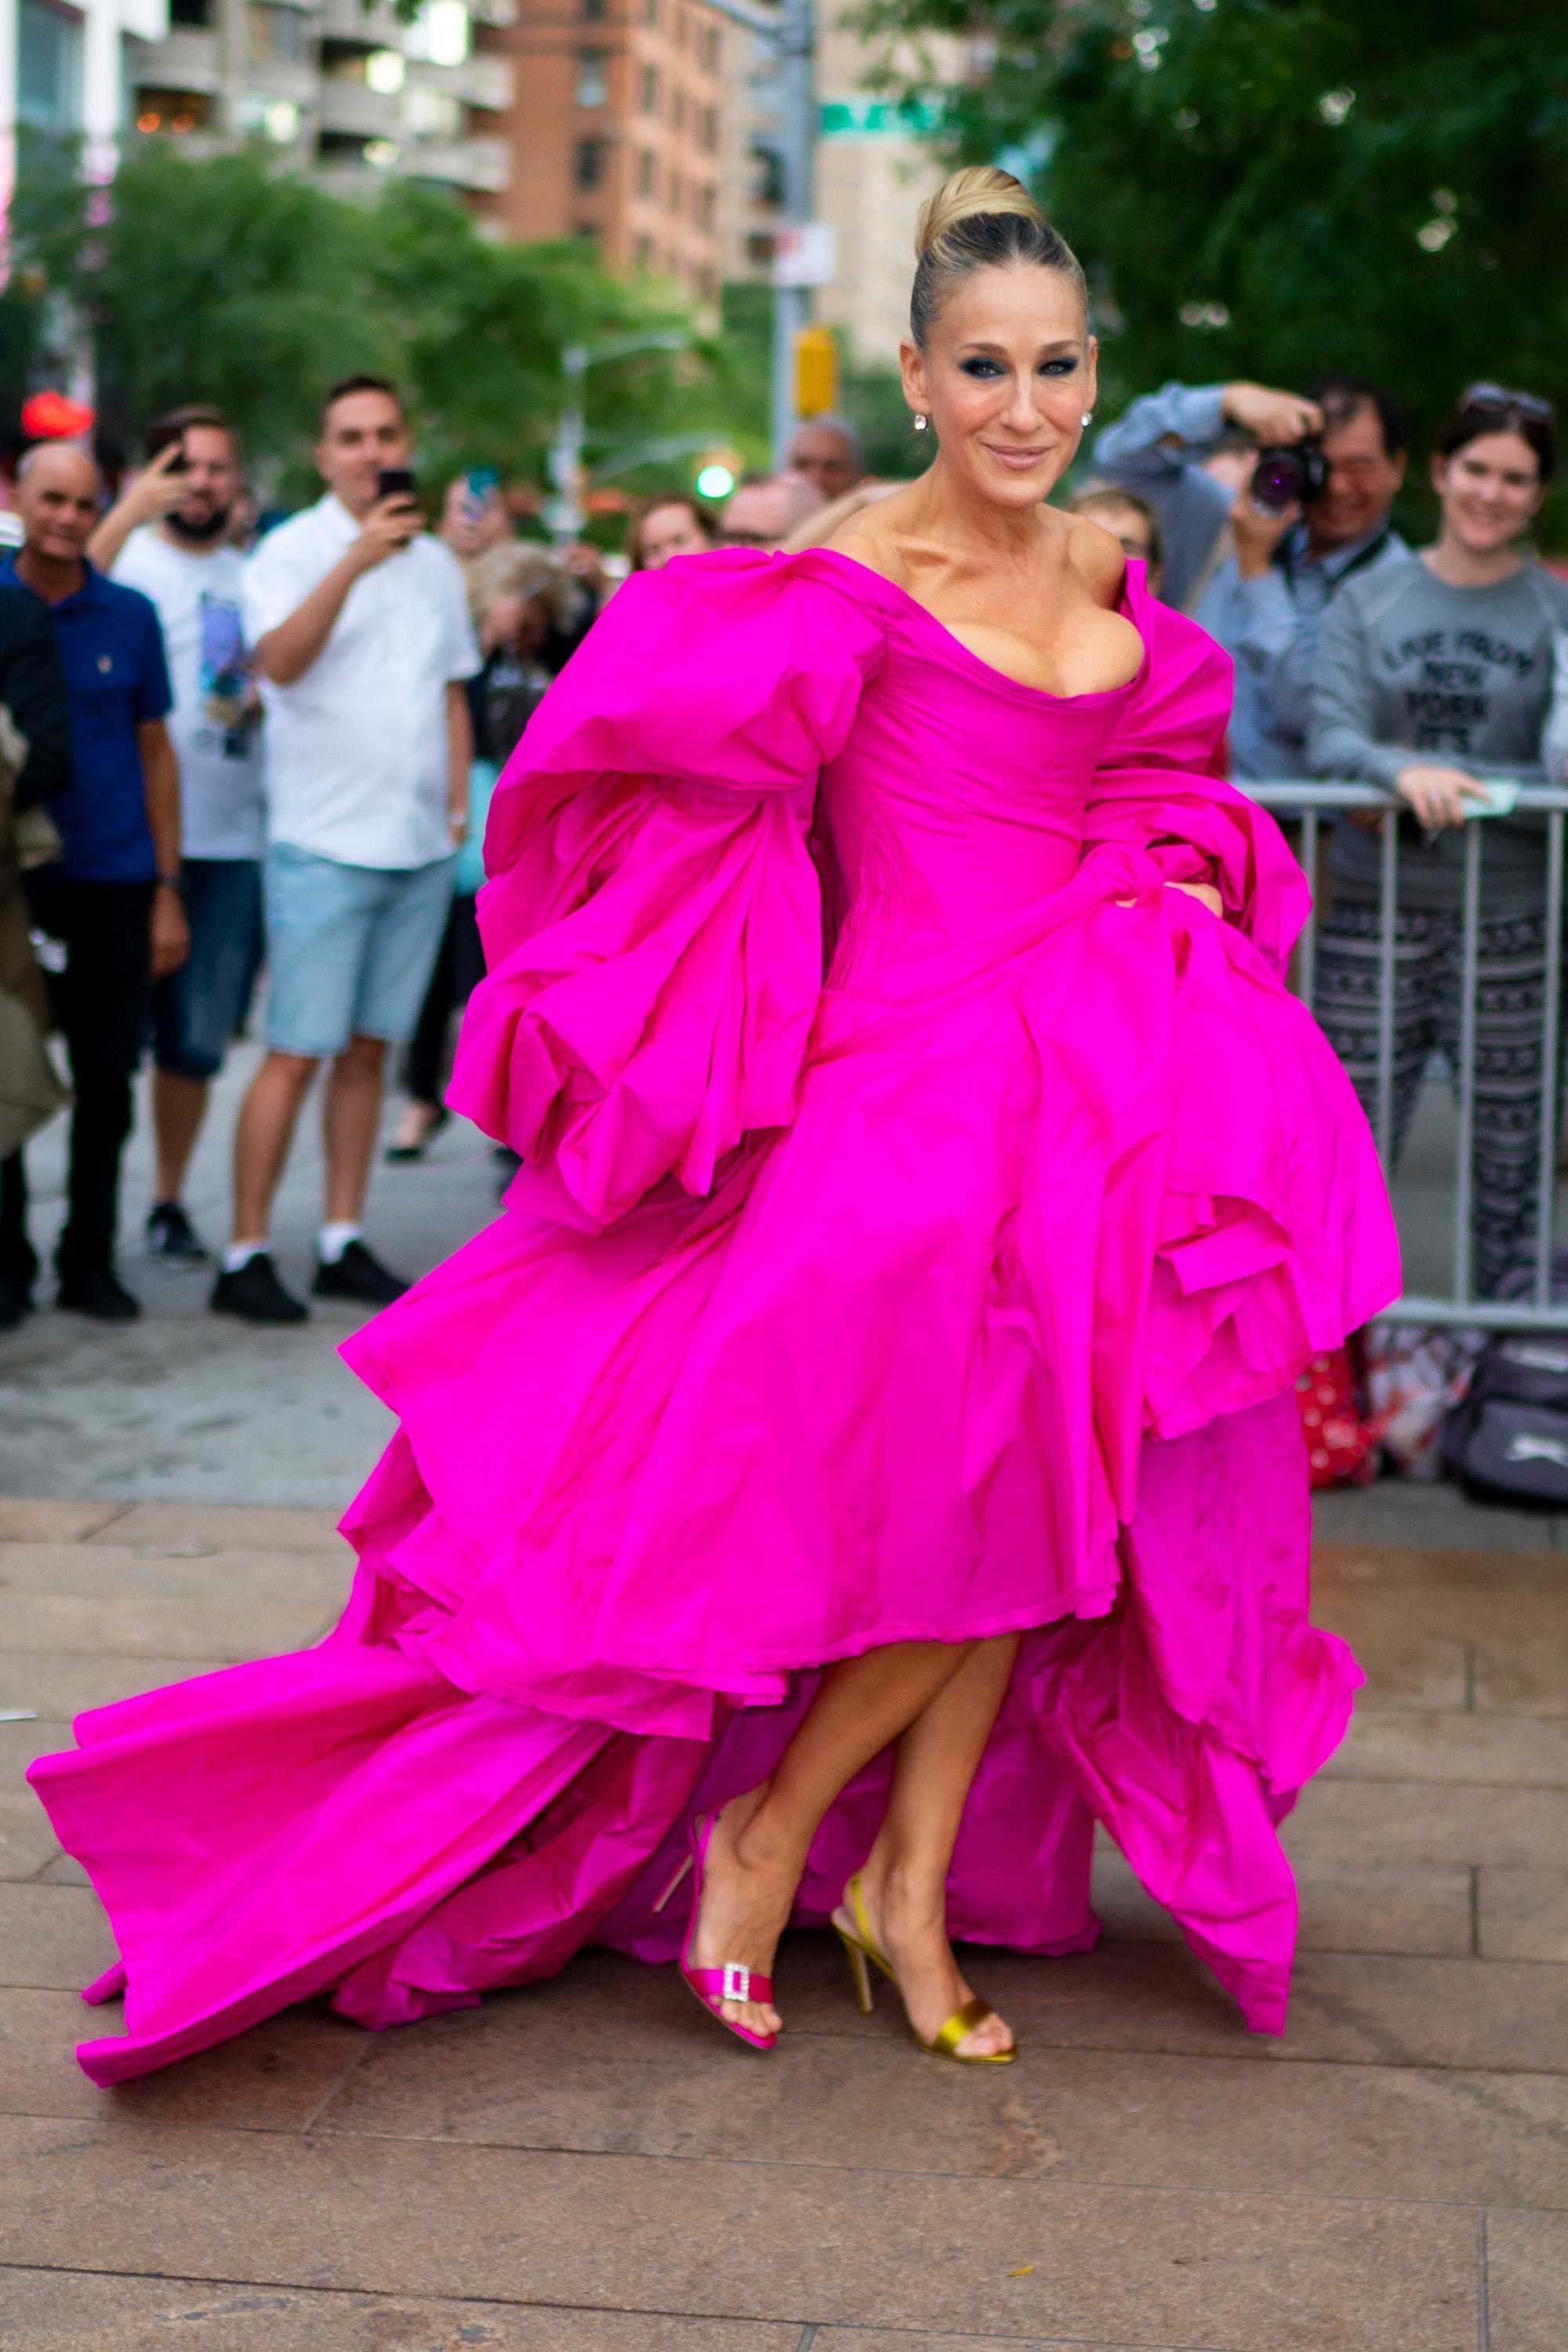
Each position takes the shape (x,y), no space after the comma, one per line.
(987,670)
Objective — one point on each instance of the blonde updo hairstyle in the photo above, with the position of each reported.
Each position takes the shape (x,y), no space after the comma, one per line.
(982,218)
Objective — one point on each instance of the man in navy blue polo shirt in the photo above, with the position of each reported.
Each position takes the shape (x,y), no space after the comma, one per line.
(112,900)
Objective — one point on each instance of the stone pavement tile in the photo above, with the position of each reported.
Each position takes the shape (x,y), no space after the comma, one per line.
(75,2311)
(1423,1908)
(231,1527)
(1397,1822)
(148,1627)
(53,1937)
(1528,1677)
(758,2241)
(1419,1908)
(115,1571)
(273,2077)
(53,1522)
(1404,1676)
(1383,2010)
(1523,1914)
(1490,2015)
(59,1689)
(1439,1517)
(1527,2277)
(1503,1571)
(27,1840)
(877,2339)
(519,2072)
(20,1742)
(64,1871)
(1495,1751)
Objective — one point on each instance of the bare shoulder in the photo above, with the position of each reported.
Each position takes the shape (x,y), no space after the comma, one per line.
(1096,556)
(877,532)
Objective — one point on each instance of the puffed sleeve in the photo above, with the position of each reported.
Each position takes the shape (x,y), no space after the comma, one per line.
(1158,790)
(652,925)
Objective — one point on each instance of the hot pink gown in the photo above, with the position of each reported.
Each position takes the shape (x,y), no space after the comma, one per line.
(962,1293)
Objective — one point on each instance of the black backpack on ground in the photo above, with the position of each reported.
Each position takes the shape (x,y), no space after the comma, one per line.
(1507,1441)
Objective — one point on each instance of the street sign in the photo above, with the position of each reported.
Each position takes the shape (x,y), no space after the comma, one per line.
(805,253)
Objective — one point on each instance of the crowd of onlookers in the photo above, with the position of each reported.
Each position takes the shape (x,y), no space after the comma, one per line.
(233,755)
(1433,678)
(226,756)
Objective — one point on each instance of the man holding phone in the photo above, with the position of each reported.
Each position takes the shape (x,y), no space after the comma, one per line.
(361,638)
(168,535)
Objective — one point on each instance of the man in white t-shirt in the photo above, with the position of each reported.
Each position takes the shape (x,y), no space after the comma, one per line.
(362,642)
(168,535)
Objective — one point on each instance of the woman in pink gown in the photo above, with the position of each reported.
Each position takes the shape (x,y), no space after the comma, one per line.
(867,1435)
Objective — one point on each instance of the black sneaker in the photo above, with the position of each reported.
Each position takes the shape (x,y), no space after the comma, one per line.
(171,1236)
(15,1296)
(98,1291)
(254,1293)
(358,1275)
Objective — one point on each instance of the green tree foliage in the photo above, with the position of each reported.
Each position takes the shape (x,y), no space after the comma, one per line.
(231,281)
(1273,188)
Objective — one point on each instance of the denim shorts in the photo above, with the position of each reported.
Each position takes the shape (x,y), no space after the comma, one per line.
(196,1010)
(350,948)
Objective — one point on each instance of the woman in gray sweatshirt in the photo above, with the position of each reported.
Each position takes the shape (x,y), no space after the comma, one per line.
(1432,674)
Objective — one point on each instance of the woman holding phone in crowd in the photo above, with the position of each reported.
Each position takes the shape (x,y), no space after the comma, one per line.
(1436,674)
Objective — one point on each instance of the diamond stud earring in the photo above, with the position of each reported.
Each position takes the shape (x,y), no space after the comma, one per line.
(1087,419)
(919,424)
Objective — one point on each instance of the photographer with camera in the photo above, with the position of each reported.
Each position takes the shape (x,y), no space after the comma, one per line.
(1258,567)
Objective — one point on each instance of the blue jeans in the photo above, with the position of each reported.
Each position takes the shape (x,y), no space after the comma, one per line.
(350,948)
(196,1010)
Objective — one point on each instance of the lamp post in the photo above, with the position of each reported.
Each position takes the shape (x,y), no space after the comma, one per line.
(564,515)
(790,29)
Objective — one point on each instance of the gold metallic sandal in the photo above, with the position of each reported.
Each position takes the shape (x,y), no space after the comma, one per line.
(860,1948)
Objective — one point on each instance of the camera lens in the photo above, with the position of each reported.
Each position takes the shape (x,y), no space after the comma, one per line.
(1279,480)
(1293,475)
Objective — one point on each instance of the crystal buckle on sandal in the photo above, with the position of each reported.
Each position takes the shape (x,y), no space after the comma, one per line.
(737,1981)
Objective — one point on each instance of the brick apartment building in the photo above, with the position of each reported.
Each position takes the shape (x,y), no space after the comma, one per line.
(615,131)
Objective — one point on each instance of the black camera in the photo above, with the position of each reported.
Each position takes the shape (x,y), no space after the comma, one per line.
(1289,476)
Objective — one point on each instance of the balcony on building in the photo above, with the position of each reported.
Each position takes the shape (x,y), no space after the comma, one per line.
(187,60)
(352,108)
(280,52)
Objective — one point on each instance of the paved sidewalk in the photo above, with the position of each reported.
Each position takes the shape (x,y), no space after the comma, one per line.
(186,1404)
(585,2165)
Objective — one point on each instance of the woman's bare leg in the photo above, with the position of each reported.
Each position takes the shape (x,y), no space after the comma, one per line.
(761,1839)
(903,1883)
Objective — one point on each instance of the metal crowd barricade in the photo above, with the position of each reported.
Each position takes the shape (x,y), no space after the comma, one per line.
(1309,803)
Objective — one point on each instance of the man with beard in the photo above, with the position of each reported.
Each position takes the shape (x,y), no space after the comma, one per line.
(168,537)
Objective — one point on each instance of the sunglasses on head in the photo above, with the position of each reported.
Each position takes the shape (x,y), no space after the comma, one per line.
(1521,403)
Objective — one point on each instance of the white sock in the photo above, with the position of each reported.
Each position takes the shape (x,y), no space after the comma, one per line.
(332,1240)
(240,1254)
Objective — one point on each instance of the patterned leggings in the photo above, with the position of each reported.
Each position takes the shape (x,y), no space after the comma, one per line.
(1511,998)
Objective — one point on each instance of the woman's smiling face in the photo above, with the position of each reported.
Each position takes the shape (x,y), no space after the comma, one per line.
(1491,490)
(1008,375)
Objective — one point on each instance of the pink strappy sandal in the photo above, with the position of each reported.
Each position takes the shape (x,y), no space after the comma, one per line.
(733,1981)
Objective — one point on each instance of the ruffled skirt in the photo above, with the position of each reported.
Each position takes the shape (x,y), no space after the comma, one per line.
(996,1334)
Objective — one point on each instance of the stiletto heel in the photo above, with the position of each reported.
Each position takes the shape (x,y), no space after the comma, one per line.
(858,1971)
(714,1987)
(682,1866)
(860,1947)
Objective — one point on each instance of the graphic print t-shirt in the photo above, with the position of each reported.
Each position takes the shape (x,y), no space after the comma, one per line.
(1411,670)
(215,721)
